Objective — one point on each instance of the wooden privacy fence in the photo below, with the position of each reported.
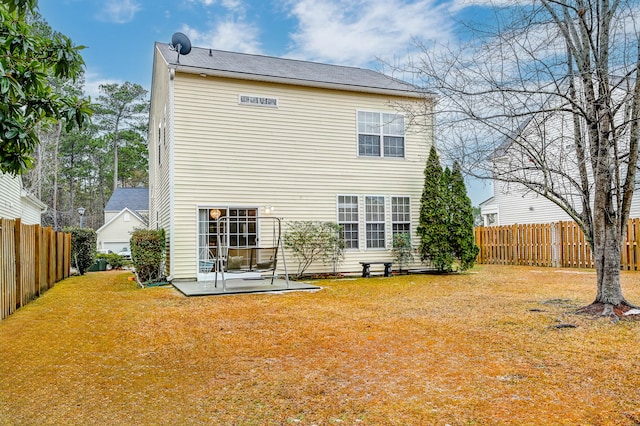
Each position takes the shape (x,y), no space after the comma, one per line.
(32,260)
(558,244)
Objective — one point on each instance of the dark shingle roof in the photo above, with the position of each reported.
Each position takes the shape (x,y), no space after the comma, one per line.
(136,199)
(269,68)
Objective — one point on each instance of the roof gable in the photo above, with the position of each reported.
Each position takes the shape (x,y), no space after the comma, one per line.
(122,212)
(135,199)
(291,71)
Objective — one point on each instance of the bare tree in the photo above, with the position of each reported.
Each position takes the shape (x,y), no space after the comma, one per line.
(548,100)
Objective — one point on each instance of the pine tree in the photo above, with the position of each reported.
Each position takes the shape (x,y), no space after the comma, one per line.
(433,229)
(461,221)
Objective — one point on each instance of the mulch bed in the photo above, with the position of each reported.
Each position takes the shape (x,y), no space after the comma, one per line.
(596,309)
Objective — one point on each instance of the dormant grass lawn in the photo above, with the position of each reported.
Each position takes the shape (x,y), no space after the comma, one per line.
(480,348)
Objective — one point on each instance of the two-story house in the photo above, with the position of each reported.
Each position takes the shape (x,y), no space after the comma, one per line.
(249,136)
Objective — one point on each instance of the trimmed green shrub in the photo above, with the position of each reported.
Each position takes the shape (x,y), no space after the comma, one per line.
(315,241)
(402,249)
(147,254)
(114,259)
(83,248)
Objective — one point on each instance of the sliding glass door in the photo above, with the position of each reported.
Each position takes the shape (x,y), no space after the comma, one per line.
(238,231)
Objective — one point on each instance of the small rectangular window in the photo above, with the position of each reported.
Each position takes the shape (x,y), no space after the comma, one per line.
(375,221)
(348,219)
(400,215)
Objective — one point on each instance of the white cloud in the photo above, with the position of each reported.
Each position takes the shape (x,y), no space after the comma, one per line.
(204,2)
(92,84)
(355,32)
(457,5)
(119,11)
(230,32)
(236,5)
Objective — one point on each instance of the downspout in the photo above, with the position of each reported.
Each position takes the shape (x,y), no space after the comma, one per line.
(172,223)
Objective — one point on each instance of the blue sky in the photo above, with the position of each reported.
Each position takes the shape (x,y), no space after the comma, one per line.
(119,34)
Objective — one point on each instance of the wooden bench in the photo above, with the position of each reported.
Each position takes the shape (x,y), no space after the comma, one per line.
(366,268)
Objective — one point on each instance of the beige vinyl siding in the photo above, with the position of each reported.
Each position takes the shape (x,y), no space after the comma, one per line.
(159,177)
(108,215)
(297,157)
(31,213)
(10,204)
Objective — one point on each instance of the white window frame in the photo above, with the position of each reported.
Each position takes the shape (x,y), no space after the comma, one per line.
(160,143)
(383,129)
(349,222)
(400,222)
(375,221)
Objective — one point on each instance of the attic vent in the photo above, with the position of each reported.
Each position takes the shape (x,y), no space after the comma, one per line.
(258,101)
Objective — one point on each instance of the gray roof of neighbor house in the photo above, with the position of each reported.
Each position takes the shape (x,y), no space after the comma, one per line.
(289,71)
(136,199)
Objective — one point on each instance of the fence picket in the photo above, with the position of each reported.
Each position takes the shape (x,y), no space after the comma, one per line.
(31,260)
(557,244)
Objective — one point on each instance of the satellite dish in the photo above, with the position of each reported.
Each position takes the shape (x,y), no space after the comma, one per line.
(181,44)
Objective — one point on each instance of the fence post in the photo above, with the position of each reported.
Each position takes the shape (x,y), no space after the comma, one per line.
(17,231)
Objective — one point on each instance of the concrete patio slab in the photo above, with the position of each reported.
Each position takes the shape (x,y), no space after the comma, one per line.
(241,286)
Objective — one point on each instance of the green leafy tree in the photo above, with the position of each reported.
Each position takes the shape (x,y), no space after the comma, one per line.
(83,248)
(433,228)
(461,218)
(121,106)
(402,249)
(315,241)
(28,60)
(133,161)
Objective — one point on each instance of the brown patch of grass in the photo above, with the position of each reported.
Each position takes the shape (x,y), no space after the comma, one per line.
(476,348)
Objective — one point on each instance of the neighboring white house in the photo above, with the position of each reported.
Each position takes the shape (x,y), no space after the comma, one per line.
(126,210)
(16,202)
(548,138)
(249,136)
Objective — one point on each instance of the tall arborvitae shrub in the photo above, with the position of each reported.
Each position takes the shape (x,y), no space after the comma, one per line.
(433,228)
(83,248)
(461,215)
(446,218)
(147,254)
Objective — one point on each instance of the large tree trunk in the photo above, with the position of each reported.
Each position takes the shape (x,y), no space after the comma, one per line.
(115,155)
(607,235)
(607,259)
(54,202)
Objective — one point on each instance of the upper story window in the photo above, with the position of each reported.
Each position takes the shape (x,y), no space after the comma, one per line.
(380,134)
